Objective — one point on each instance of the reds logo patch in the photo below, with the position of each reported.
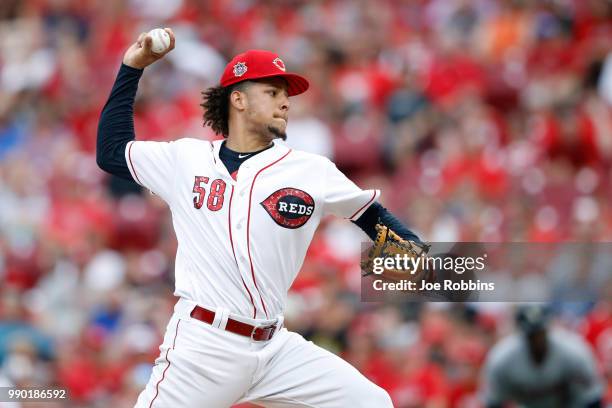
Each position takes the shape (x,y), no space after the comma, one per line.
(279,64)
(289,207)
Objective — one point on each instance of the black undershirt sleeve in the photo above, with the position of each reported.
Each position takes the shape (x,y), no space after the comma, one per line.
(375,214)
(116,125)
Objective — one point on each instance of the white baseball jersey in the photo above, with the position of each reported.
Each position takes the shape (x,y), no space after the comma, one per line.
(567,377)
(241,242)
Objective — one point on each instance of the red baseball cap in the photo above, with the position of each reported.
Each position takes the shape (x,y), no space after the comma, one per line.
(255,64)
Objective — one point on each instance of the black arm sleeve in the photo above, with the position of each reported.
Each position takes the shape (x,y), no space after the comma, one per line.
(116,125)
(377,213)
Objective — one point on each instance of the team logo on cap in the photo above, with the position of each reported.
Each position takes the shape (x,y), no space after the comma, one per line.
(279,64)
(289,207)
(240,69)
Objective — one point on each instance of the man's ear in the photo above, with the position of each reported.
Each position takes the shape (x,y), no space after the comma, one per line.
(238,100)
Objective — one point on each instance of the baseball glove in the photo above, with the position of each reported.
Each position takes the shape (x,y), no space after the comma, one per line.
(388,244)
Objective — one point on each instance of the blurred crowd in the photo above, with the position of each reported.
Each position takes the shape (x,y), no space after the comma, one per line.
(483,120)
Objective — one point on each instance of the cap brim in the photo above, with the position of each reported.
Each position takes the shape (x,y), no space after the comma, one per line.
(296,84)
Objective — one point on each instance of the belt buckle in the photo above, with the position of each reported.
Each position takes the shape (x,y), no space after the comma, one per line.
(269,326)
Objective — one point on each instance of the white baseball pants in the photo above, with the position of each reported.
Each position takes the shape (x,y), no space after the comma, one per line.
(204,366)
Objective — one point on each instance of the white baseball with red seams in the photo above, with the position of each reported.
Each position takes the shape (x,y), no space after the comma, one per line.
(160,40)
(241,243)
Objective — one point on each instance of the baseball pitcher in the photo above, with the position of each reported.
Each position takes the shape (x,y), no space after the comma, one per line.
(244,210)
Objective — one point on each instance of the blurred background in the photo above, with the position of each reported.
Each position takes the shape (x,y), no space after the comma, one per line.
(482,120)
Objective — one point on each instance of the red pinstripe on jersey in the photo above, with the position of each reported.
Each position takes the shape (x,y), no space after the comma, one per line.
(166,369)
(212,150)
(132,164)
(366,204)
(229,226)
(249,225)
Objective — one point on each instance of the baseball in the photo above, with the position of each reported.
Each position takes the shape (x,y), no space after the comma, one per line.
(161,40)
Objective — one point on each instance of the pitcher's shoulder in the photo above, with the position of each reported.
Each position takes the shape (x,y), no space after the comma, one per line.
(317,159)
(192,144)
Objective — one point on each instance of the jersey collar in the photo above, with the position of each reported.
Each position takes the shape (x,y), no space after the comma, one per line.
(257,161)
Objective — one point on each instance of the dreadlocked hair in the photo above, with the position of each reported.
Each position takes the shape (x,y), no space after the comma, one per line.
(216,107)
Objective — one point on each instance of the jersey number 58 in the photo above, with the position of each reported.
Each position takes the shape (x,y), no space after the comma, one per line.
(215,197)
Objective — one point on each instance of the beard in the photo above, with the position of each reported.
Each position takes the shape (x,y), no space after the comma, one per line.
(269,131)
(277,133)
